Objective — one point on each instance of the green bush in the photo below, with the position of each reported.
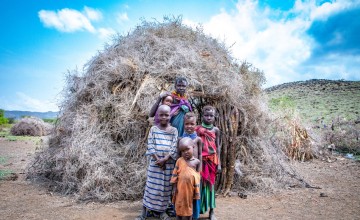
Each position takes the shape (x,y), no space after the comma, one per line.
(50,120)
(11,120)
(3,120)
(4,173)
(281,103)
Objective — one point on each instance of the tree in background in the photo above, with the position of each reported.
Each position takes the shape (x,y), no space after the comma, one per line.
(3,120)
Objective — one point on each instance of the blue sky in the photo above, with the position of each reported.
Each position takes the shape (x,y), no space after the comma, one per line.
(42,40)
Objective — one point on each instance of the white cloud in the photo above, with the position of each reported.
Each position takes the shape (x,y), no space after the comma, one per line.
(274,46)
(323,11)
(122,17)
(277,46)
(70,20)
(24,102)
(92,14)
(66,20)
(105,33)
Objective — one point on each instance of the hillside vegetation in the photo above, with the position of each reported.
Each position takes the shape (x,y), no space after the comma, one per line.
(331,108)
(20,114)
(318,101)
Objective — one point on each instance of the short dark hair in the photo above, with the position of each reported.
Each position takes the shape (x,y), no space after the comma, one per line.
(180,79)
(189,115)
(208,108)
(163,98)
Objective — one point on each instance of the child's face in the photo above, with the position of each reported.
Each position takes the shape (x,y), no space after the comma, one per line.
(168,100)
(190,125)
(186,150)
(164,116)
(181,87)
(209,117)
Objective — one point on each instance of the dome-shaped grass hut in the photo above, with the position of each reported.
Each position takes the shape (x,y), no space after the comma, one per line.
(98,149)
(31,126)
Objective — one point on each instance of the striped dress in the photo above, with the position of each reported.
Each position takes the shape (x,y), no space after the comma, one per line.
(158,188)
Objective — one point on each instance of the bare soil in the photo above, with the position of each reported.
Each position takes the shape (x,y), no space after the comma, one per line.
(339,182)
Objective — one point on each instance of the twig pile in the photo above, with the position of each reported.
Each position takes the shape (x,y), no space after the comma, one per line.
(300,148)
(293,138)
(98,149)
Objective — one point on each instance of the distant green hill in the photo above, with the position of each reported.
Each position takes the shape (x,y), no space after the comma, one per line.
(318,100)
(20,114)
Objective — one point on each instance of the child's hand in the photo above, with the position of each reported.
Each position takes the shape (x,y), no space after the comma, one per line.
(174,191)
(160,162)
(163,167)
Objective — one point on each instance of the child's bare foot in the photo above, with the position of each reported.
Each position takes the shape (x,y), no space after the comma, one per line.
(142,216)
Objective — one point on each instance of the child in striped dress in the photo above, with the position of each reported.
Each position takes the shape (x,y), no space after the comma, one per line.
(161,148)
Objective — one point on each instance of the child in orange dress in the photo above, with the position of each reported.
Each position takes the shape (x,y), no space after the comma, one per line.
(186,180)
(189,131)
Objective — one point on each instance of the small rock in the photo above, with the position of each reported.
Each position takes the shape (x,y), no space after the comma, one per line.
(323,195)
(11,177)
(231,194)
(242,195)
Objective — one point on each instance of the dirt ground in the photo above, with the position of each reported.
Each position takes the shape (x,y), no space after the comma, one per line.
(339,182)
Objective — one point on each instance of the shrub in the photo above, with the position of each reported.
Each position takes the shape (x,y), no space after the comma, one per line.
(343,134)
(3,120)
(11,120)
(281,103)
(50,120)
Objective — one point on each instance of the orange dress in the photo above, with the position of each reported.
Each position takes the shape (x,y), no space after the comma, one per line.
(188,187)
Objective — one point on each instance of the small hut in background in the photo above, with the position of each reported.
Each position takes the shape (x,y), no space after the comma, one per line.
(31,126)
(98,149)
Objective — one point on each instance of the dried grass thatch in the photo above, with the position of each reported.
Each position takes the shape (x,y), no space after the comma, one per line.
(31,126)
(98,150)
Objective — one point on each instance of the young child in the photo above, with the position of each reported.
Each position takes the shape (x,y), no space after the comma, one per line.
(180,105)
(210,136)
(186,180)
(166,99)
(161,148)
(189,131)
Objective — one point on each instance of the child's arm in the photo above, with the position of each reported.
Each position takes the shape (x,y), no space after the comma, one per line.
(198,166)
(177,147)
(200,148)
(218,147)
(155,156)
(161,162)
(174,190)
(157,103)
(151,151)
(154,107)
(173,153)
(174,178)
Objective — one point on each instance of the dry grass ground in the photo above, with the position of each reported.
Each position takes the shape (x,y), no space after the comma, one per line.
(339,181)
